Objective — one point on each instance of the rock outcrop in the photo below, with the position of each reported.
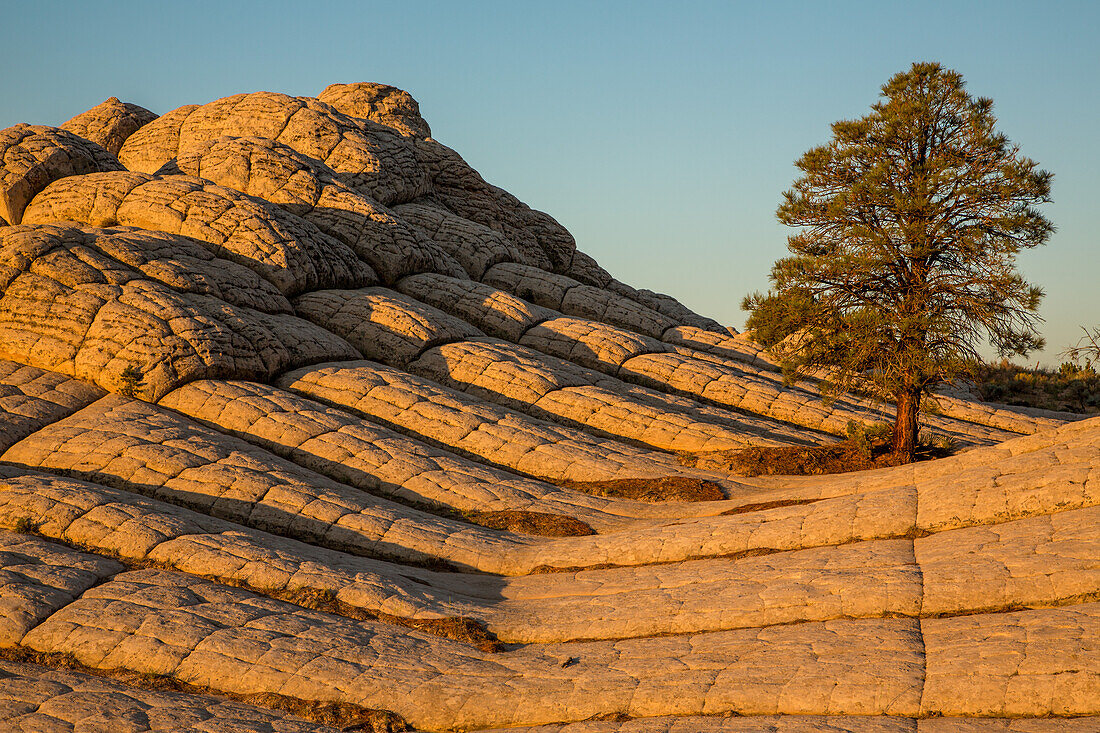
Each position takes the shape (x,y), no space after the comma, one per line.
(305,426)
(381,103)
(35,156)
(109,123)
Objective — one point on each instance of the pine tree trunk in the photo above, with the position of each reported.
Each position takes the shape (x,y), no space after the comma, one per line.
(905,426)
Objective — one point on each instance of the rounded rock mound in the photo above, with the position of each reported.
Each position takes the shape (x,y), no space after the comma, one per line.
(378,102)
(110,123)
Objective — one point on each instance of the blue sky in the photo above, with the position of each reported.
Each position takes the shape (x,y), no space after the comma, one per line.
(661,134)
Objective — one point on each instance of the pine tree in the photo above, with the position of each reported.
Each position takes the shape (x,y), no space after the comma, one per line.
(911,219)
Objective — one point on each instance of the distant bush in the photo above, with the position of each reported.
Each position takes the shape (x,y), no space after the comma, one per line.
(1071,387)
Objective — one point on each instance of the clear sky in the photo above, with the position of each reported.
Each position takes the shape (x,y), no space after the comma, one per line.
(662,134)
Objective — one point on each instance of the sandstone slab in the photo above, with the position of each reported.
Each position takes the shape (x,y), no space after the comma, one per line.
(224,638)
(372,158)
(380,103)
(51,701)
(38,577)
(32,398)
(73,309)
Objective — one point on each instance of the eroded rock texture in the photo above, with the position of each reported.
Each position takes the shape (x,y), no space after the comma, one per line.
(308,188)
(381,103)
(282,248)
(35,156)
(372,158)
(68,306)
(305,426)
(109,123)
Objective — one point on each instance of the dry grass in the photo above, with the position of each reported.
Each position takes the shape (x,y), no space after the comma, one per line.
(458,628)
(545,569)
(346,716)
(740,555)
(534,523)
(542,524)
(858,453)
(1070,388)
(799,460)
(665,488)
(763,505)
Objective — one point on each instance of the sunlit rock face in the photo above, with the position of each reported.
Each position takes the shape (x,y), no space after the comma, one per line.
(305,425)
(34,156)
(109,124)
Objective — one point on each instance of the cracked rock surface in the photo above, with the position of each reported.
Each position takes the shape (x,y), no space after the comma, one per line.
(308,188)
(35,156)
(38,698)
(282,248)
(109,123)
(305,426)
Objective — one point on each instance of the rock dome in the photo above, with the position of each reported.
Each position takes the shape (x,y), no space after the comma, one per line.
(305,426)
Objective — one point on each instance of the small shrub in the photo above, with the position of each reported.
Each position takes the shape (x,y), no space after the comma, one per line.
(874,432)
(930,406)
(24,525)
(944,443)
(131,381)
(866,439)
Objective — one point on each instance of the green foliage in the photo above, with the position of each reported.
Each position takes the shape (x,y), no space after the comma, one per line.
(1072,387)
(945,444)
(865,438)
(910,221)
(861,431)
(131,381)
(24,525)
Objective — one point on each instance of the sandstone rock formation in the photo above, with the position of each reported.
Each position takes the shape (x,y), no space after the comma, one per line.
(308,188)
(35,156)
(305,426)
(382,103)
(110,123)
